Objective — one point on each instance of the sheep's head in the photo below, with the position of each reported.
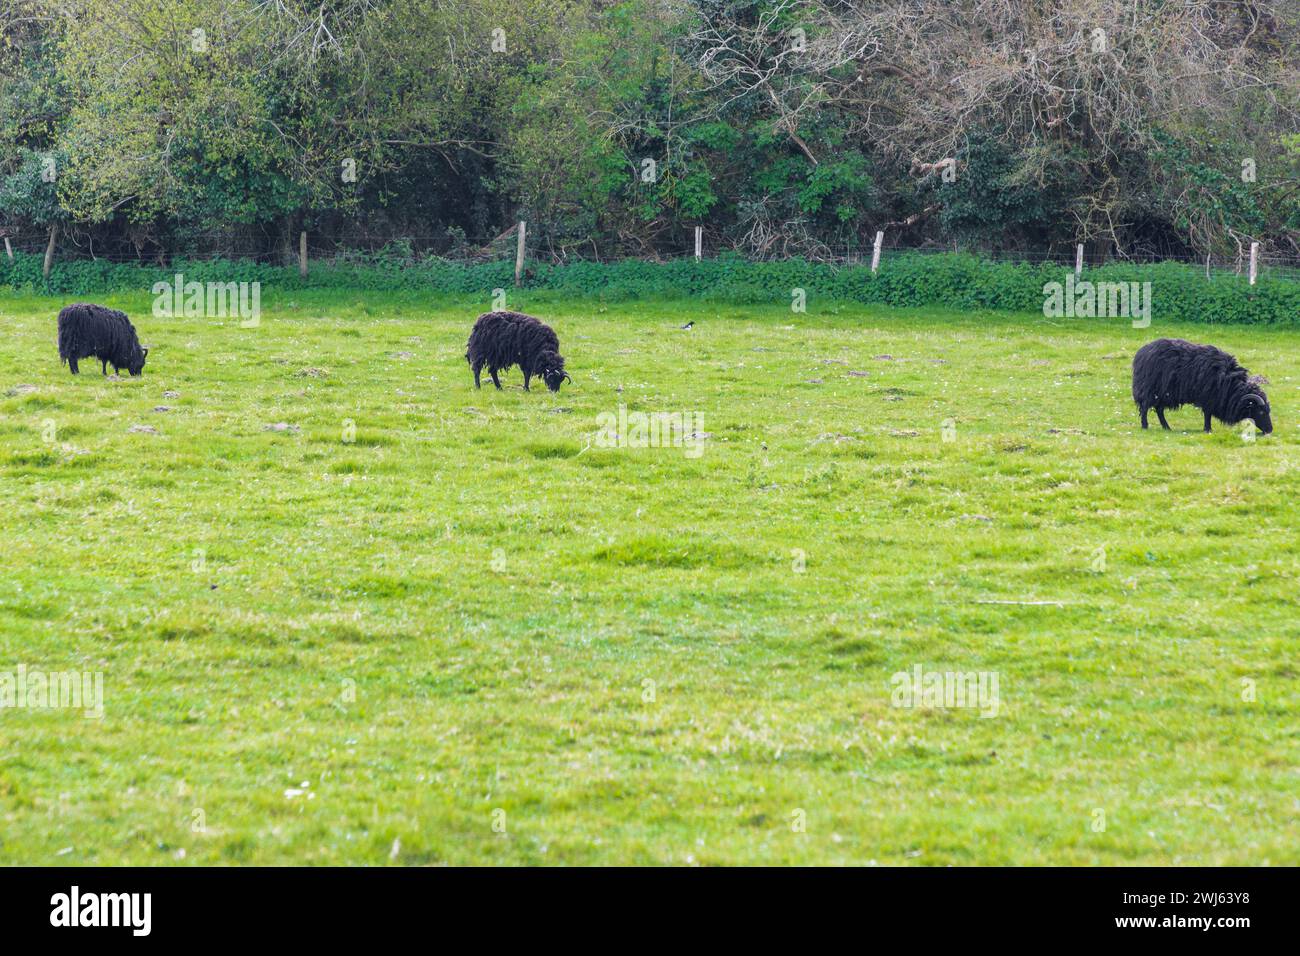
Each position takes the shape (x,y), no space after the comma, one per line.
(136,365)
(1254,405)
(553,373)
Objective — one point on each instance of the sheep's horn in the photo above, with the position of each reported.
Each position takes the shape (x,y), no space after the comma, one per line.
(568,377)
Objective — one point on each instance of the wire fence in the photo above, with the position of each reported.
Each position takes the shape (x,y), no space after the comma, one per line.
(410,249)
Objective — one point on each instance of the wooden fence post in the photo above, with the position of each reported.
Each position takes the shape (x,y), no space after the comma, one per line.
(1078,261)
(9,250)
(699,242)
(302,253)
(519,254)
(875,251)
(1254,261)
(49,250)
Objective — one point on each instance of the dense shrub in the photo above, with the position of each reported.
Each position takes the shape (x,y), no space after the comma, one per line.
(955,280)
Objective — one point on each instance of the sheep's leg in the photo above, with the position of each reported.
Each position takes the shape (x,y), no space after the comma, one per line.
(477,369)
(72,364)
(1144,411)
(495,381)
(1207,421)
(103,366)
(1160,414)
(527,376)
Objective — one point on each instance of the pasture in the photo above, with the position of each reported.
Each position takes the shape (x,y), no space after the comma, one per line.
(348,610)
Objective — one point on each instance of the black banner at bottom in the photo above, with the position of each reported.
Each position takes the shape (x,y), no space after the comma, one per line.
(334,906)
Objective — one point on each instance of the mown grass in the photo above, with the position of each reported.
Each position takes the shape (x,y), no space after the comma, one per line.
(326,651)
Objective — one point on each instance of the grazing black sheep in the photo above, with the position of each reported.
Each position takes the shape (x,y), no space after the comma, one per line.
(502,339)
(87,330)
(1169,373)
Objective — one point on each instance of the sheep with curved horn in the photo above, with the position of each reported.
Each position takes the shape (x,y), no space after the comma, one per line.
(502,339)
(1170,373)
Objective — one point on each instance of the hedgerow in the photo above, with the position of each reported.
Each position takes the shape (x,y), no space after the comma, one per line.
(954,280)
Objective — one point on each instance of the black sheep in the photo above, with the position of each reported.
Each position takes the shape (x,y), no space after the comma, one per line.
(87,330)
(502,339)
(1169,373)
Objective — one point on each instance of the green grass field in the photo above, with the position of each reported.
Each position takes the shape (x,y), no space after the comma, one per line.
(473,635)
